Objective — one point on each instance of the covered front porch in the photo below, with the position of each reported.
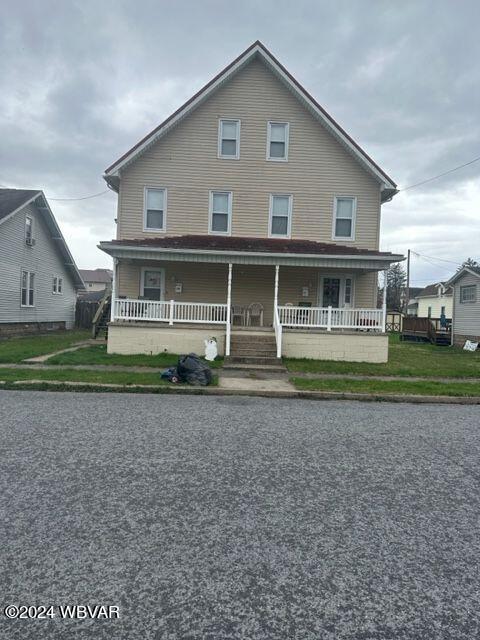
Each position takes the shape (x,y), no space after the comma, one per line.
(176,300)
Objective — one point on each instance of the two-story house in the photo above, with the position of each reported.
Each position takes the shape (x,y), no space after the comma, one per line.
(38,276)
(249,209)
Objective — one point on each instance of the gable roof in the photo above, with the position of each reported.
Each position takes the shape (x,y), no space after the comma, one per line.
(432,290)
(256,50)
(474,271)
(14,200)
(11,200)
(96,275)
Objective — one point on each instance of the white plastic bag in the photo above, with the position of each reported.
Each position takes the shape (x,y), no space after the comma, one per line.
(470,346)
(211,350)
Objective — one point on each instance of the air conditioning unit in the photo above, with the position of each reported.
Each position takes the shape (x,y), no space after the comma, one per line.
(30,241)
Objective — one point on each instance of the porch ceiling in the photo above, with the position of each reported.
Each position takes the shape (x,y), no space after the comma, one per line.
(255,251)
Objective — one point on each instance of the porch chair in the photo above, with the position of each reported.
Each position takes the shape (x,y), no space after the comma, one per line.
(238,311)
(255,312)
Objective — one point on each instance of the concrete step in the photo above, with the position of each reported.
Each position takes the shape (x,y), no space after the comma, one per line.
(252,340)
(253,360)
(264,352)
(247,368)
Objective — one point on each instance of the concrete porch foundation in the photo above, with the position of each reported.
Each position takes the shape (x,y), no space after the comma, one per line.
(355,346)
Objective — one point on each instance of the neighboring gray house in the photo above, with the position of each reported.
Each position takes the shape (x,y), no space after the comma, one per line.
(38,276)
(96,279)
(466,305)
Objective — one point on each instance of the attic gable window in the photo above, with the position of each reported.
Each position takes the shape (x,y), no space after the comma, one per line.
(277,141)
(155,209)
(344,214)
(28,229)
(229,139)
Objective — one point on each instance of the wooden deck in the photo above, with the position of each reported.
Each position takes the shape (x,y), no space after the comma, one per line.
(424,330)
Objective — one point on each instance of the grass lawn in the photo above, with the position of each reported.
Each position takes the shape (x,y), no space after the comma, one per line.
(81,375)
(18,349)
(97,354)
(404,359)
(397,387)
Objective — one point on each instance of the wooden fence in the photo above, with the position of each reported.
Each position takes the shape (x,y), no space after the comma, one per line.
(85,311)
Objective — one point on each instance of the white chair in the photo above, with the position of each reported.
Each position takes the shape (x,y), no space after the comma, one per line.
(255,313)
(238,311)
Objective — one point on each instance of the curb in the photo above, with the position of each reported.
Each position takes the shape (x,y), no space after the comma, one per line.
(92,387)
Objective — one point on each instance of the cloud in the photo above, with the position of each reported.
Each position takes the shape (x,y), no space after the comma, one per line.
(81,82)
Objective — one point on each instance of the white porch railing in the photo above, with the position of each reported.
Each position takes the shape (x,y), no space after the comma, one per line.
(169,311)
(330,318)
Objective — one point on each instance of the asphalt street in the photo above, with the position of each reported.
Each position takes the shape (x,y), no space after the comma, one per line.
(239,518)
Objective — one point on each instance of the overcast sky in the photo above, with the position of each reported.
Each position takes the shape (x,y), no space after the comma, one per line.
(81,82)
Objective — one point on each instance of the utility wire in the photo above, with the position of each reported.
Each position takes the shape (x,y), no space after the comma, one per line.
(418,184)
(95,195)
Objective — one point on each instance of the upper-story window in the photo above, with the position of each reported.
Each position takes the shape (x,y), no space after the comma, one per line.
(229,139)
(29,230)
(155,209)
(220,212)
(27,289)
(344,213)
(277,141)
(57,286)
(468,293)
(280,215)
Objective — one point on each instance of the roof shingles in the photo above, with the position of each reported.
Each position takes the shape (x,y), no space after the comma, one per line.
(12,199)
(246,244)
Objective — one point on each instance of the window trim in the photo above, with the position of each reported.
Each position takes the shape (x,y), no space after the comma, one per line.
(289,215)
(219,141)
(160,270)
(287,140)
(28,217)
(351,237)
(468,286)
(146,229)
(210,212)
(29,274)
(57,287)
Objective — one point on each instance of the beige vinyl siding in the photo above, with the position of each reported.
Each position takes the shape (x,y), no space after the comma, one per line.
(466,318)
(250,283)
(185,162)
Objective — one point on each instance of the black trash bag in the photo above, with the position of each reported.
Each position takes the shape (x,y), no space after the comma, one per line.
(170,374)
(193,370)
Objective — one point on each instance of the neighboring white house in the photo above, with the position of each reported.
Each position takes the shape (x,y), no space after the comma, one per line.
(466,305)
(96,279)
(38,276)
(435,300)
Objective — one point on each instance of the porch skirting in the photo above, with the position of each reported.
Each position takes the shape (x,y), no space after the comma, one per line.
(350,346)
(356,346)
(129,338)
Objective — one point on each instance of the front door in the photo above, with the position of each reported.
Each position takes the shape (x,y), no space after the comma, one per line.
(331,292)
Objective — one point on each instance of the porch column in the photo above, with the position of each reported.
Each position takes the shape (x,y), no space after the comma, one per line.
(275,297)
(229,307)
(114,290)
(384,305)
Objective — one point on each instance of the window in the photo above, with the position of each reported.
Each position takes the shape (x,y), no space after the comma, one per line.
(277,141)
(28,229)
(429,313)
(347,296)
(152,285)
(220,212)
(229,139)
(155,209)
(442,311)
(468,293)
(280,215)
(57,285)
(28,282)
(344,218)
